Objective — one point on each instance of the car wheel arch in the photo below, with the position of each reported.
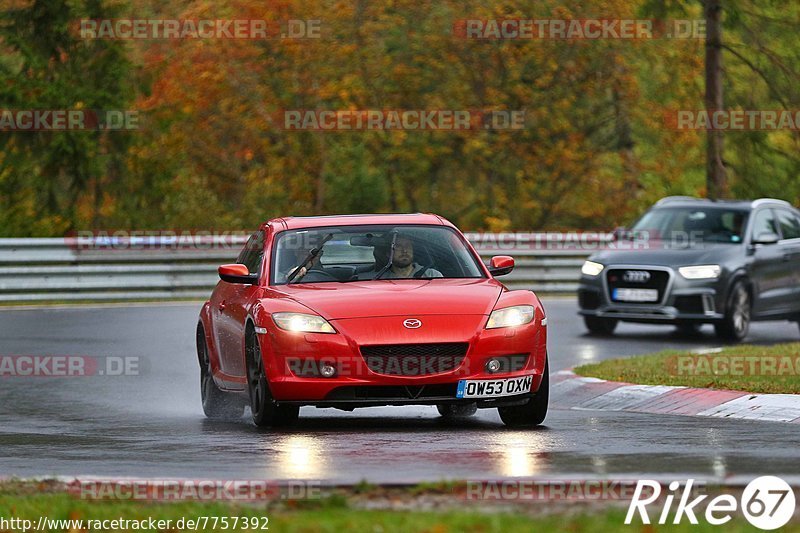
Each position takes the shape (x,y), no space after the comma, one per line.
(249,336)
(213,357)
(204,321)
(737,277)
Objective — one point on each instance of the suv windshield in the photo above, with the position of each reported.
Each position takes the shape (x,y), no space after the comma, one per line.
(693,224)
(364,253)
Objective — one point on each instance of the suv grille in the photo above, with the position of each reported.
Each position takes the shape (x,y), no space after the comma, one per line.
(656,279)
(414,359)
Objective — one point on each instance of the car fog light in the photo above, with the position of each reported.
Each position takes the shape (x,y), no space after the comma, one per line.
(492,365)
(327,371)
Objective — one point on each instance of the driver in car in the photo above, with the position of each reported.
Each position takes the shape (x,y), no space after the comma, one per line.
(403,265)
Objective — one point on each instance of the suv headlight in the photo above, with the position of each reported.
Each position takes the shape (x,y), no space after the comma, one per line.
(700,271)
(508,317)
(302,322)
(590,268)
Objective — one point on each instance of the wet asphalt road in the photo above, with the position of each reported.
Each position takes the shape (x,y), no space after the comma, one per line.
(151,425)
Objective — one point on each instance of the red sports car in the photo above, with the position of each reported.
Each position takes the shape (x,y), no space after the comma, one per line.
(367,310)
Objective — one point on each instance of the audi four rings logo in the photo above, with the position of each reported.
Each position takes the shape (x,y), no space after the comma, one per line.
(636,276)
(412,323)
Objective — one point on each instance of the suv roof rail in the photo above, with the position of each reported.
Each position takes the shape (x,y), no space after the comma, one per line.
(669,199)
(761,201)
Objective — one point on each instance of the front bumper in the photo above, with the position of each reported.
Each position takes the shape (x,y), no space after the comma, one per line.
(681,301)
(356,384)
(348,398)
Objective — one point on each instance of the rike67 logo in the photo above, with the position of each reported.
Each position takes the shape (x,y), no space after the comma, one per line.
(767,502)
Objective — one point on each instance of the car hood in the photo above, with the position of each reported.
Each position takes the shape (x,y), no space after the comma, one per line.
(703,253)
(360,299)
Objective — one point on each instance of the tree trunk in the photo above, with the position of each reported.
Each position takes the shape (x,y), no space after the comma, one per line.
(716,178)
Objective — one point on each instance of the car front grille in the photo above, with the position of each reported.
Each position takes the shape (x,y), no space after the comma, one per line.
(414,359)
(655,279)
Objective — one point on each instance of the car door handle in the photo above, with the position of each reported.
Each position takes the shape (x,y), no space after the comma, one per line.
(787,257)
(221,306)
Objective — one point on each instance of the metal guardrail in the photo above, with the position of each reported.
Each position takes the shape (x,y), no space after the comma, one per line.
(35,270)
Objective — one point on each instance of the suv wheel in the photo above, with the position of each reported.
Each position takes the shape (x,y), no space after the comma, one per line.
(600,326)
(736,324)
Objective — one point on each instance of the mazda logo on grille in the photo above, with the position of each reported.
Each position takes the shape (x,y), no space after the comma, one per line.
(412,323)
(636,276)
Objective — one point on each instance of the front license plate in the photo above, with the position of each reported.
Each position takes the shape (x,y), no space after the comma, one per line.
(635,295)
(493,388)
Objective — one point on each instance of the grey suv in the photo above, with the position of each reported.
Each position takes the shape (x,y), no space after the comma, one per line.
(690,261)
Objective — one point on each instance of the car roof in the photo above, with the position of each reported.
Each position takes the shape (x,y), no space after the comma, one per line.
(689,201)
(357,220)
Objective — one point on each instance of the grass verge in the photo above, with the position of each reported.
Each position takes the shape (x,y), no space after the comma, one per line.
(762,369)
(334,515)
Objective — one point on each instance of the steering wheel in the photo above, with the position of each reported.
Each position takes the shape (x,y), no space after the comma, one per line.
(317,275)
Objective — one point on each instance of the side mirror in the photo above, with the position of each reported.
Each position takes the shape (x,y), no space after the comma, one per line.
(500,265)
(619,234)
(237,273)
(766,237)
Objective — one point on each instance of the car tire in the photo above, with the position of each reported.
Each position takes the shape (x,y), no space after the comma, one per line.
(265,410)
(736,323)
(217,405)
(532,413)
(600,326)
(453,411)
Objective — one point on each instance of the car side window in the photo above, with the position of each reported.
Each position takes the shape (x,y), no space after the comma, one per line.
(253,252)
(764,222)
(790,224)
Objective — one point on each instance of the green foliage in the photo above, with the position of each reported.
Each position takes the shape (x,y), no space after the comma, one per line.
(52,181)
(211,152)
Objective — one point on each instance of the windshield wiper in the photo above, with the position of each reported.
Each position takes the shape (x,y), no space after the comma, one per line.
(388,265)
(312,254)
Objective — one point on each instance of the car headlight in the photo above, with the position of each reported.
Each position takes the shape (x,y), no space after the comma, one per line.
(510,316)
(302,322)
(700,271)
(590,268)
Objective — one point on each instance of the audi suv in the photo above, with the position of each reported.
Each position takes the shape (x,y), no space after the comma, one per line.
(690,261)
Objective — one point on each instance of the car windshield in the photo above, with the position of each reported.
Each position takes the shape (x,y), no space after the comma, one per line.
(365,253)
(693,224)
